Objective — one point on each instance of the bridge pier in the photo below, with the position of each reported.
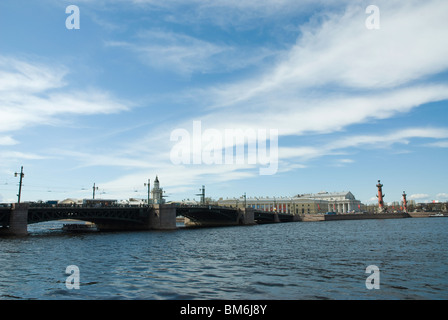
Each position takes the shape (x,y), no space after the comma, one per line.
(18,221)
(162,217)
(276,218)
(246,216)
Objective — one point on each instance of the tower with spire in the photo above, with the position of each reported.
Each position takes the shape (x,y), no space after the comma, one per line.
(157,192)
(380,196)
(405,202)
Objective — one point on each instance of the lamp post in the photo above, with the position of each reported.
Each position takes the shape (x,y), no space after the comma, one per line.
(245,200)
(94,188)
(20,183)
(202,194)
(147,184)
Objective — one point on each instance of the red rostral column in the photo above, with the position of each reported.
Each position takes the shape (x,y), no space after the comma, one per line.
(405,204)
(380,195)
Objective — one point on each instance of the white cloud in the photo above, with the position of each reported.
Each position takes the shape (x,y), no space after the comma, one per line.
(320,85)
(147,162)
(10,158)
(442,196)
(339,146)
(21,155)
(343,53)
(7,141)
(178,178)
(337,74)
(398,136)
(19,76)
(419,196)
(294,96)
(36,94)
(346,160)
(111,159)
(438,144)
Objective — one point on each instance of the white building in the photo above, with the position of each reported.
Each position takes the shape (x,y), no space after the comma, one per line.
(321,202)
(157,193)
(337,201)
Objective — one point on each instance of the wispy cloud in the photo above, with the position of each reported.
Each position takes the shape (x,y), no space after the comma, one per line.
(438,144)
(7,141)
(36,94)
(419,196)
(233,13)
(184,54)
(341,145)
(338,74)
(341,74)
(20,76)
(149,162)
(342,53)
(442,196)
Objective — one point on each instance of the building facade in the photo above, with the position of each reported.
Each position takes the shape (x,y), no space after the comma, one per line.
(340,202)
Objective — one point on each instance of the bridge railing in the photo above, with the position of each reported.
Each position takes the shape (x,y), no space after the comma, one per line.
(97,205)
(210,206)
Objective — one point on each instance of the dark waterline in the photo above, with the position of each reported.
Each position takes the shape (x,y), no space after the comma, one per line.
(288,261)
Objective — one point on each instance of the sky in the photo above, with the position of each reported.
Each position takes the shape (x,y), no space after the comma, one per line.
(335,94)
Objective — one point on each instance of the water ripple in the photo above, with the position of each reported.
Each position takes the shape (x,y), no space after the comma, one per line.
(313,261)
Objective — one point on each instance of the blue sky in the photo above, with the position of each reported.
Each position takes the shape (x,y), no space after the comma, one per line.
(98,104)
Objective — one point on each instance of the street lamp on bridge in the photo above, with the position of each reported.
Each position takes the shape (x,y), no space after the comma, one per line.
(94,188)
(147,185)
(20,183)
(202,194)
(245,200)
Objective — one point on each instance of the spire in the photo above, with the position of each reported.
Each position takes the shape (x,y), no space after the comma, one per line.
(157,192)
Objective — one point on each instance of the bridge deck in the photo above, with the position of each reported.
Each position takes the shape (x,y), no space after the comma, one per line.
(138,217)
(93,214)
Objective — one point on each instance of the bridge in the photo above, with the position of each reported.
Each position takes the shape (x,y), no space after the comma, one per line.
(14,218)
(209,216)
(272,217)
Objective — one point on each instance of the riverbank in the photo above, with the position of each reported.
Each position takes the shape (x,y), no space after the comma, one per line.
(352,216)
(360,216)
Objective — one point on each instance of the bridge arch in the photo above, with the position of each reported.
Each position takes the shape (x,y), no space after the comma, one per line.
(102,214)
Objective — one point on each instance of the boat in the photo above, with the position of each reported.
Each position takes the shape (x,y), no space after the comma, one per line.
(79,227)
(437,215)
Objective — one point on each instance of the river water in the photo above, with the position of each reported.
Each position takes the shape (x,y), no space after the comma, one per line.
(287,261)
